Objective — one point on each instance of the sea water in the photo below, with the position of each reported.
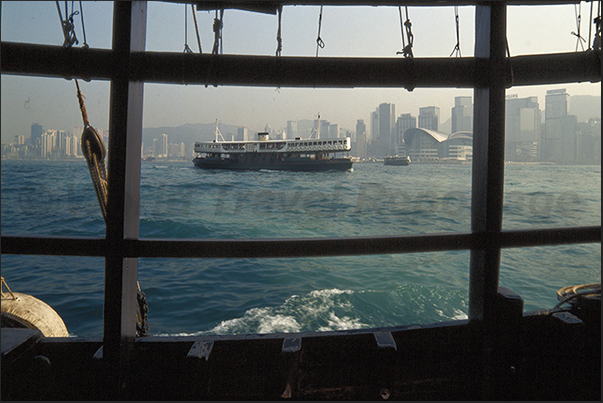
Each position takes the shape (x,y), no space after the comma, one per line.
(238,296)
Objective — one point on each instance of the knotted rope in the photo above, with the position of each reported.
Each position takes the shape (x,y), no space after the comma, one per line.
(94,151)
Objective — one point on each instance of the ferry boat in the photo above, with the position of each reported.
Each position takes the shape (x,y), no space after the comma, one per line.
(299,154)
(396,160)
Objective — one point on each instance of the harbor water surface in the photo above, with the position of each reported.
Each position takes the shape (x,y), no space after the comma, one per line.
(237,296)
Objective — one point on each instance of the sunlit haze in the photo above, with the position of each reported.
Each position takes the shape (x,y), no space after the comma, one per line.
(346,32)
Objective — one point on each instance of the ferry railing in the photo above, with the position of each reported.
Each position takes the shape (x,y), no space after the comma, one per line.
(129,66)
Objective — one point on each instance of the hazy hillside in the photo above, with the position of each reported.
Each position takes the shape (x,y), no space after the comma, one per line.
(190,132)
(585,107)
(187,133)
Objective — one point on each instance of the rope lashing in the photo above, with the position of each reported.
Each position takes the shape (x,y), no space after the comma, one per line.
(597,39)
(187,49)
(218,24)
(94,152)
(279,38)
(67,25)
(406,27)
(319,42)
(457,47)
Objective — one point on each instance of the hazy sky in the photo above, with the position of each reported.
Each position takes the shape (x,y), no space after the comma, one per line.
(346,32)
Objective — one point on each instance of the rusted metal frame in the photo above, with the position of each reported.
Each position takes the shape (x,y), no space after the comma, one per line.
(125,134)
(178,68)
(308,247)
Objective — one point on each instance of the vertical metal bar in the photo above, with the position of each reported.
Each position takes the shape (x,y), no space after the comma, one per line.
(125,134)
(488,159)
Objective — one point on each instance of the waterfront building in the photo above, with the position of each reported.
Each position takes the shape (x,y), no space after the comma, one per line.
(405,121)
(588,143)
(424,145)
(559,137)
(522,128)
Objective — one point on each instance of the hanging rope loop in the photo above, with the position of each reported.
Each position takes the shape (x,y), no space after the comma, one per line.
(187,49)
(406,28)
(597,40)
(67,25)
(320,44)
(409,36)
(218,24)
(457,47)
(279,39)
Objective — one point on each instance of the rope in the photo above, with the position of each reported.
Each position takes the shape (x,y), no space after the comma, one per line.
(457,47)
(579,39)
(186,48)
(597,21)
(2,285)
(196,28)
(319,42)
(94,151)
(218,24)
(67,25)
(279,38)
(405,27)
(85,45)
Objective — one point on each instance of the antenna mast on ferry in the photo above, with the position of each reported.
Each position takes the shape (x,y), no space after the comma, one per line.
(317,128)
(217,133)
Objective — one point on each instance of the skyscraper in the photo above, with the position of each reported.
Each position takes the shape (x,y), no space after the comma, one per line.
(462,115)
(383,139)
(36,133)
(361,140)
(555,113)
(429,118)
(242,133)
(522,128)
(292,129)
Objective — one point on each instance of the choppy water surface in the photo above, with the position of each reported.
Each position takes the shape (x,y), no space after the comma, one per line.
(233,296)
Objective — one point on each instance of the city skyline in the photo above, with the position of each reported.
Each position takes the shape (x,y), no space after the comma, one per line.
(532,134)
(52,102)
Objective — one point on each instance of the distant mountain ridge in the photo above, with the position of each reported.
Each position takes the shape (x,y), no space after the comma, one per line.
(187,133)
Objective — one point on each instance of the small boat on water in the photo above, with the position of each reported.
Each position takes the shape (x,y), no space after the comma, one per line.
(396,160)
(298,154)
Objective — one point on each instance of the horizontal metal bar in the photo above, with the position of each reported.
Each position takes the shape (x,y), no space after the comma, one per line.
(300,247)
(58,246)
(184,68)
(549,236)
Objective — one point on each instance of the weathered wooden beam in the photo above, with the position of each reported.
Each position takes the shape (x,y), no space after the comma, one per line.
(338,72)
